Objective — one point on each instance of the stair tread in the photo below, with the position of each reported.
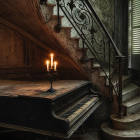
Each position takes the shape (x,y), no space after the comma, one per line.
(124,77)
(132,133)
(50,4)
(126,119)
(55,16)
(81,49)
(64,27)
(75,38)
(92,57)
(130,87)
(132,101)
(96,65)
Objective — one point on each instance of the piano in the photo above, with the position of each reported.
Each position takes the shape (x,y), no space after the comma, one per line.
(26,106)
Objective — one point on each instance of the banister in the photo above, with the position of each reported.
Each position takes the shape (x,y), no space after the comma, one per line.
(88,26)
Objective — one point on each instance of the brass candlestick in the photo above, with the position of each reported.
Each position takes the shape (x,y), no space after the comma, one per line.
(51,72)
(51,77)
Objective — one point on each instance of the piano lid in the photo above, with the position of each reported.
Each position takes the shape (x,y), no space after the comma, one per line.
(38,89)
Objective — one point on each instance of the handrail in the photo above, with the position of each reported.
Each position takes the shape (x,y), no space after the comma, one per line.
(94,35)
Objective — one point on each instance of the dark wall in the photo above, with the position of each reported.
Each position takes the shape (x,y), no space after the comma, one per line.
(121,30)
(18,51)
(105,11)
(124,47)
(19,56)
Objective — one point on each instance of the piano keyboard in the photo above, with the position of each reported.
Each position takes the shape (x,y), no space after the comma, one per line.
(75,111)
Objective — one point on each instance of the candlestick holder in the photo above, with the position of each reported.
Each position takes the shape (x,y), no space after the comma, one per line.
(51,74)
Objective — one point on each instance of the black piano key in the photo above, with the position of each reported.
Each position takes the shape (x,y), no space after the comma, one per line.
(65,115)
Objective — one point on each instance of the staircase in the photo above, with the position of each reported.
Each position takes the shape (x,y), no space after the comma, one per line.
(72,42)
(126,127)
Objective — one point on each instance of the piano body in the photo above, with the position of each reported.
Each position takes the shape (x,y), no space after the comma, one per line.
(26,106)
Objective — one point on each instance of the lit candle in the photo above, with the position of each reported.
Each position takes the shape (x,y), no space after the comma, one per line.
(55,63)
(51,60)
(47,62)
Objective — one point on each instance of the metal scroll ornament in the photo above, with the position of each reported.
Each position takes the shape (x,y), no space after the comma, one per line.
(92,32)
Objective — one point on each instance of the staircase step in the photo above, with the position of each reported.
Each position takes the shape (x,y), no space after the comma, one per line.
(92,58)
(81,49)
(130,91)
(64,27)
(103,74)
(112,134)
(75,38)
(132,106)
(96,65)
(127,122)
(51,4)
(126,80)
(56,16)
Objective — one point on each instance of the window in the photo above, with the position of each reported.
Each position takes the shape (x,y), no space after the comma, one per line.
(134,34)
(135,26)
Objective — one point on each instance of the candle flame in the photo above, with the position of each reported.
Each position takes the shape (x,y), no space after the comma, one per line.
(51,55)
(47,62)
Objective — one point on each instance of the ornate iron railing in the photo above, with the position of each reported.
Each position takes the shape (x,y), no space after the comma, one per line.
(95,37)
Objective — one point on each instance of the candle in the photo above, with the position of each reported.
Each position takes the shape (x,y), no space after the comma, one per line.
(55,63)
(47,62)
(51,60)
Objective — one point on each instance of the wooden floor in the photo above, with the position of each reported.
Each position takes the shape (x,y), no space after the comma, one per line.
(38,89)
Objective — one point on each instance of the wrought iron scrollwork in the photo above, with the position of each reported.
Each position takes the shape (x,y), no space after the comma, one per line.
(96,38)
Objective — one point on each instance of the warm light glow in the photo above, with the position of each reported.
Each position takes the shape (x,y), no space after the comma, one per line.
(51,59)
(47,62)
(55,63)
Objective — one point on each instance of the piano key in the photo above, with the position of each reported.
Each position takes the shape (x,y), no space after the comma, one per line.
(78,113)
(78,109)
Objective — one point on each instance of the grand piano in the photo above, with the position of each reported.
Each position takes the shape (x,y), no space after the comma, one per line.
(26,106)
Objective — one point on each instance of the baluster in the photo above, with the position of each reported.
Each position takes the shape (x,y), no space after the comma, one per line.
(58,26)
(120,86)
(83,50)
(110,84)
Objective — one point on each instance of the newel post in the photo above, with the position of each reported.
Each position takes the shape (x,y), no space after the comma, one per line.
(119,59)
